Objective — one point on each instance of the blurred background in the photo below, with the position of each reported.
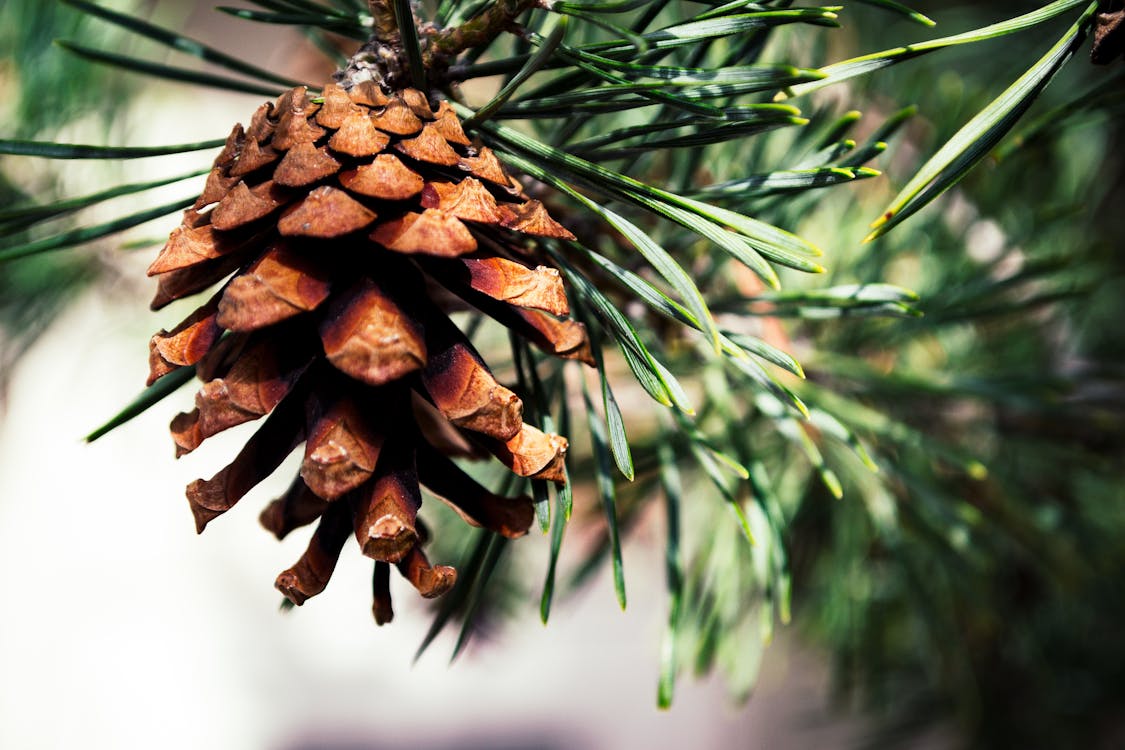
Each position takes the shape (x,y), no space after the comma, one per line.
(985,610)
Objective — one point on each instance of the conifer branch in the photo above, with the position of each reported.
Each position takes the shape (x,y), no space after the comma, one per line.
(383,58)
(476,32)
(648,136)
(384,27)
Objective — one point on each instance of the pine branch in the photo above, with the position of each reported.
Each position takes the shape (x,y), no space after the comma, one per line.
(475,33)
(648,157)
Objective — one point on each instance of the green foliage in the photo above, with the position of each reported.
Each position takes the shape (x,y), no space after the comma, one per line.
(937,468)
(42,91)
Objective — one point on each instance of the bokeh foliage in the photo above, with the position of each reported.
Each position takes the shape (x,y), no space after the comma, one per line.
(42,92)
(992,597)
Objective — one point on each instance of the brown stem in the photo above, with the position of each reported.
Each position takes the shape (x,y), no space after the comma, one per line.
(378,59)
(381,58)
(385,28)
(476,32)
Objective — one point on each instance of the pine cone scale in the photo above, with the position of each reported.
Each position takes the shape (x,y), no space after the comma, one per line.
(310,575)
(280,284)
(386,178)
(298,507)
(371,338)
(341,452)
(305,164)
(326,213)
(386,515)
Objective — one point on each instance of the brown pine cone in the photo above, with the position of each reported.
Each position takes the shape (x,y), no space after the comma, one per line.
(344,229)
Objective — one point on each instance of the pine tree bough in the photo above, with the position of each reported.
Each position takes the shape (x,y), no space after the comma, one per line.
(342,219)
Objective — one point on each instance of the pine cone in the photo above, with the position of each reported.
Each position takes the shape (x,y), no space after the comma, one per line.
(343,224)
